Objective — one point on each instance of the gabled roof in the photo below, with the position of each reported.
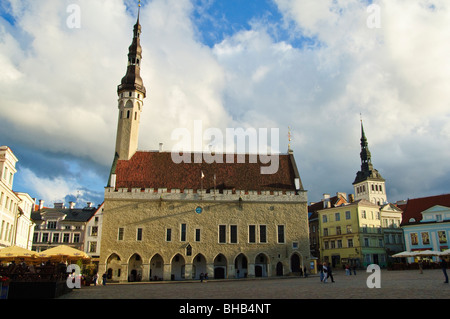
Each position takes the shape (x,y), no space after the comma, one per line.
(414,207)
(72,215)
(158,170)
(334,202)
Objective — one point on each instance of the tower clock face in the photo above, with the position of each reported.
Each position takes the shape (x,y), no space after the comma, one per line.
(198,210)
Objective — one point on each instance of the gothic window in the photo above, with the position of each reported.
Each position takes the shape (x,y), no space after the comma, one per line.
(233,234)
(189,250)
(183,232)
(252,234)
(281,234)
(263,234)
(222,234)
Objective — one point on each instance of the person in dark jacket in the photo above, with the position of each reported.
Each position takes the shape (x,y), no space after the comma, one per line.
(330,273)
(444,269)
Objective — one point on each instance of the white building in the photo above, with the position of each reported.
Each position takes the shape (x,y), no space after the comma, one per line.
(16,227)
(94,234)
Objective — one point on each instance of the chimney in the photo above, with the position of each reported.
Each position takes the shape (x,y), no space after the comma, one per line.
(351,198)
(161,147)
(88,204)
(59,205)
(41,204)
(72,205)
(343,195)
(326,201)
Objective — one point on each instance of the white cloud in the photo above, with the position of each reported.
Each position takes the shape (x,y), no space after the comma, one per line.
(58,85)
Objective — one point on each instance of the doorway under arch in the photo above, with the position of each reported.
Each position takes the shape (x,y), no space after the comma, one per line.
(220,267)
(296,265)
(261,265)
(241,266)
(178,267)
(156,268)
(279,268)
(114,267)
(198,266)
(135,268)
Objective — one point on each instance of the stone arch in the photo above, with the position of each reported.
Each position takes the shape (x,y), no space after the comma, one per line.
(296,263)
(129,104)
(156,267)
(178,264)
(241,266)
(261,265)
(135,268)
(113,267)
(220,267)
(198,266)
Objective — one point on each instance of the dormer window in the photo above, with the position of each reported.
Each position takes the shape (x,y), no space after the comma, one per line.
(51,224)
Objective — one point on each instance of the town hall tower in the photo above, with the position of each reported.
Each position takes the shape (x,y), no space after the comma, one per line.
(131,93)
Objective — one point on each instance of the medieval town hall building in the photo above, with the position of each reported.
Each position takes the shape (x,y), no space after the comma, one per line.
(174,221)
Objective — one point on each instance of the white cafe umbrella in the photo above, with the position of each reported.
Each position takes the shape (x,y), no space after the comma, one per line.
(424,253)
(405,254)
(445,252)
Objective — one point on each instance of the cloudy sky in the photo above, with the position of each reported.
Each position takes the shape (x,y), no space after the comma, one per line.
(312,65)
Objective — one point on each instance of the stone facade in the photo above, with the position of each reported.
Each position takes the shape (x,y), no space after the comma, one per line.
(136,244)
(166,220)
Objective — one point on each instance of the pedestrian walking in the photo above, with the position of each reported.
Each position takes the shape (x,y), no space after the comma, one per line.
(325,273)
(104,279)
(320,269)
(95,279)
(420,266)
(330,273)
(444,269)
(347,270)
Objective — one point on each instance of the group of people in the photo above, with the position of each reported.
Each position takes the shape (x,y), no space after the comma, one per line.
(203,277)
(326,272)
(349,269)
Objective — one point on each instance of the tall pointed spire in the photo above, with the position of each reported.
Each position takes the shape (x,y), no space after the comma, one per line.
(366,158)
(131,93)
(367,171)
(132,80)
(369,184)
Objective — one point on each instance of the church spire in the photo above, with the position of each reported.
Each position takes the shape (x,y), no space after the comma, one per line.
(368,184)
(366,158)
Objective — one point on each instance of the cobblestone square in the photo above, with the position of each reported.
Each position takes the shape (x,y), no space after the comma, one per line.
(408,284)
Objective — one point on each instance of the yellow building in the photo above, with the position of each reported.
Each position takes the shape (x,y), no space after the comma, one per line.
(352,234)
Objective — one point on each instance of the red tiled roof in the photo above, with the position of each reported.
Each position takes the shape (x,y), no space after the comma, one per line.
(414,207)
(157,170)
